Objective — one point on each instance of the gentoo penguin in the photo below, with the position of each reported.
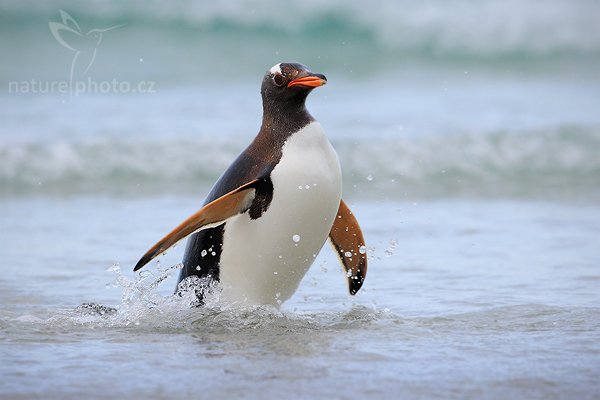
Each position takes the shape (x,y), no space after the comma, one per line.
(269,214)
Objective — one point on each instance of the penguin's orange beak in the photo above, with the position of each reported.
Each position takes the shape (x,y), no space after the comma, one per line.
(309,81)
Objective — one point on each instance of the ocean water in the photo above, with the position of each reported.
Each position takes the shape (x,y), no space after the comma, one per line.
(469,137)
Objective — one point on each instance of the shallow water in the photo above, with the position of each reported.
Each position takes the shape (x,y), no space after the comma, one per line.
(505,302)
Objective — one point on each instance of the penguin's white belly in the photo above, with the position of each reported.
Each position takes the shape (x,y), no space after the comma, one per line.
(264,260)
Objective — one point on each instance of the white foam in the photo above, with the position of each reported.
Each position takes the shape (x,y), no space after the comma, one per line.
(469,162)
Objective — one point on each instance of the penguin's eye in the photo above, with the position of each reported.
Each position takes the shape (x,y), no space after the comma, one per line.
(278,79)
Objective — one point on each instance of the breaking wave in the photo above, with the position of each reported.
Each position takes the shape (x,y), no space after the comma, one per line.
(479,29)
(503,164)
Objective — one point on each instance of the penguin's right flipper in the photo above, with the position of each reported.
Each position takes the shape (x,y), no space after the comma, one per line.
(213,214)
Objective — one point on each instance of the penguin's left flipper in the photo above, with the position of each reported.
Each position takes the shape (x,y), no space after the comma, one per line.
(349,244)
(213,214)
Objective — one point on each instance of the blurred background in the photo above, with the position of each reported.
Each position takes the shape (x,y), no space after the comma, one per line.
(469,98)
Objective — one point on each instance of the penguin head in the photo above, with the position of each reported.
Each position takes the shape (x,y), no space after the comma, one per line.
(289,83)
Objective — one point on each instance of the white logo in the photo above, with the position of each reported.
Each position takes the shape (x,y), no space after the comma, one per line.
(85,46)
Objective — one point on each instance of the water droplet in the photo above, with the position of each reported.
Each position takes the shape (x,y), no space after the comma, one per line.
(369,177)
(348,254)
(300,187)
(307,187)
(275,272)
(362,249)
(390,250)
(324,266)
(213,254)
(203,253)
(349,273)
(114,268)
(141,59)
(296,238)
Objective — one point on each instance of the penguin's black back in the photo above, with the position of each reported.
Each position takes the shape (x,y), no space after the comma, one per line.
(282,117)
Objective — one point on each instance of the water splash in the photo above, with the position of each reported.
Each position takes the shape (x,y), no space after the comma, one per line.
(145,309)
(141,302)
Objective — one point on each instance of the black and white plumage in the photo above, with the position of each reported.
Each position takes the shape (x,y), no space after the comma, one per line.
(269,214)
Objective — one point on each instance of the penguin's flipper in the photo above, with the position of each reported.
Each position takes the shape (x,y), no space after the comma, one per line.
(213,214)
(349,243)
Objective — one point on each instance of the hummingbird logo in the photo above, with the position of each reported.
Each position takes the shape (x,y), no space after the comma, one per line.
(85,45)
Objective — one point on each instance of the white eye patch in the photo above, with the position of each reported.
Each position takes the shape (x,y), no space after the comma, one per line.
(276,69)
